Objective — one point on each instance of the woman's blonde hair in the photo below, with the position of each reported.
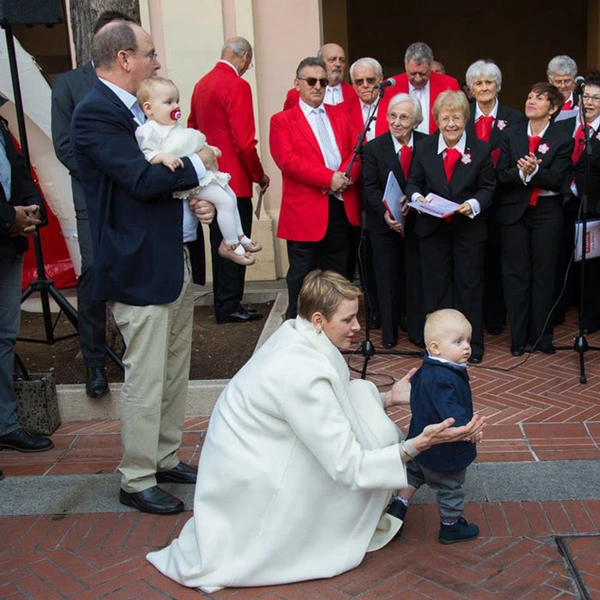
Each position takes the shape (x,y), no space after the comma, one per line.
(452,101)
(323,291)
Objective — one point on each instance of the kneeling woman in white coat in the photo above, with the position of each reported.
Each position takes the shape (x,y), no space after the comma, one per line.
(299,463)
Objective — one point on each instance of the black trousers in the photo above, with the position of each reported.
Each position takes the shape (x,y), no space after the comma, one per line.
(92,314)
(529,259)
(330,253)
(229,277)
(452,271)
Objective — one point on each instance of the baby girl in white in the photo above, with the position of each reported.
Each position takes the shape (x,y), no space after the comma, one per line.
(164,140)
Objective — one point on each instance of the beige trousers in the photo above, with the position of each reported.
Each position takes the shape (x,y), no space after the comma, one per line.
(158,342)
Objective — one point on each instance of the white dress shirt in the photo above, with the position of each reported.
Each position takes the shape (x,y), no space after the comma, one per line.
(422,95)
(333,94)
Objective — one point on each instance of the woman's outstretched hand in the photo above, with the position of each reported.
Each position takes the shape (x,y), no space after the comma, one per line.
(444,432)
(400,392)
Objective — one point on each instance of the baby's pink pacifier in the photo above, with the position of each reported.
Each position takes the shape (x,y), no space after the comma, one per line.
(175,114)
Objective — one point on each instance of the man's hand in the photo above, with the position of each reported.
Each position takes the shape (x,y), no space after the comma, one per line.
(339,182)
(204,210)
(208,156)
(264,183)
(27,218)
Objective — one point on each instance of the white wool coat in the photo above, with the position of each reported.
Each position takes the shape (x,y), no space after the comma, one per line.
(294,475)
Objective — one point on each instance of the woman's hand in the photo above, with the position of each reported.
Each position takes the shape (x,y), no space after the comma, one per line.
(444,432)
(400,392)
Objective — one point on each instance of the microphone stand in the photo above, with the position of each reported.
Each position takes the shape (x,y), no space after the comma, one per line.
(580,344)
(366,347)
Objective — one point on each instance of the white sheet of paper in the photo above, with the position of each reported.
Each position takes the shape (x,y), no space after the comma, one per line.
(567,114)
(392,197)
(436,206)
(592,239)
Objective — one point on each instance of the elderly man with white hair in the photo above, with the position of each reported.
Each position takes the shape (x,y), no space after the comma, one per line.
(395,249)
(420,81)
(562,71)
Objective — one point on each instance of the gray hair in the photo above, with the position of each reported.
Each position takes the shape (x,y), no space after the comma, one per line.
(310,61)
(419,52)
(237,45)
(366,63)
(484,68)
(398,98)
(110,40)
(562,65)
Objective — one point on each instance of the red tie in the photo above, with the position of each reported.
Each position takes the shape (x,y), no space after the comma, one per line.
(534,142)
(451,157)
(483,128)
(579,145)
(568,105)
(406,160)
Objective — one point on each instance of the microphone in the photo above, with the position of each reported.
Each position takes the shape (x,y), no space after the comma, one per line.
(384,84)
(579,84)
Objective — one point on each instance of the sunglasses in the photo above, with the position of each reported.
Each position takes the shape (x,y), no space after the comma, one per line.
(312,81)
(367,80)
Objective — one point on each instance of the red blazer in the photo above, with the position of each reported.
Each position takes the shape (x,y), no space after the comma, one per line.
(221,109)
(353,113)
(438,83)
(305,196)
(293,96)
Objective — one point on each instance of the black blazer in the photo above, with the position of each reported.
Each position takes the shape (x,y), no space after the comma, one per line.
(506,117)
(24,192)
(475,179)
(554,152)
(136,224)
(379,159)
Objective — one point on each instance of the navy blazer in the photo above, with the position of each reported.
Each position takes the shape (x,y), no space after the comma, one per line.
(554,152)
(24,192)
(135,222)
(437,391)
(380,157)
(473,179)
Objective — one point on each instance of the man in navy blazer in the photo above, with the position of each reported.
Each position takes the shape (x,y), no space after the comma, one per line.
(142,240)
(68,89)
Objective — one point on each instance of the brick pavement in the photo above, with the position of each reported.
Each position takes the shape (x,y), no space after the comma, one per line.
(536,412)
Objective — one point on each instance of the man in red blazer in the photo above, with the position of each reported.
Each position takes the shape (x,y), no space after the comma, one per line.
(312,145)
(422,83)
(337,91)
(222,109)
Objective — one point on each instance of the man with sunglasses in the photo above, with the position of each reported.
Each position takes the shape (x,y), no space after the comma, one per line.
(312,145)
(337,90)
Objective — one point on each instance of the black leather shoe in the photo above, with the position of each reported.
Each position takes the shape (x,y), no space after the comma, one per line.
(589,330)
(240,316)
(152,500)
(475,359)
(548,349)
(517,350)
(182,473)
(1,475)
(389,345)
(397,509)
(96,384)
(417,343)
(23,441)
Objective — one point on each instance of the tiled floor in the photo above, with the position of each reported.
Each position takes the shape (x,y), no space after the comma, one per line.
(537,411)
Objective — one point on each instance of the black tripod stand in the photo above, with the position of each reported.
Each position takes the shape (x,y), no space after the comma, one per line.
(43,284)
(580,344)
(366,347)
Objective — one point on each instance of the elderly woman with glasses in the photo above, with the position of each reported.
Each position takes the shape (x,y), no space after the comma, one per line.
(395,248)
(458,167)
(534,160)
(489,122)
(561,72)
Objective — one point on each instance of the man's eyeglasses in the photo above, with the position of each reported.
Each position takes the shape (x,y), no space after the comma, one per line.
(312,81)
(368,80)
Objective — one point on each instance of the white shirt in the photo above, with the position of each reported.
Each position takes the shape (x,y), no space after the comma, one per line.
(422,95)
(226,62)
(493,113)
(398,145)
(333,94)
(190,223)
(366,110)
